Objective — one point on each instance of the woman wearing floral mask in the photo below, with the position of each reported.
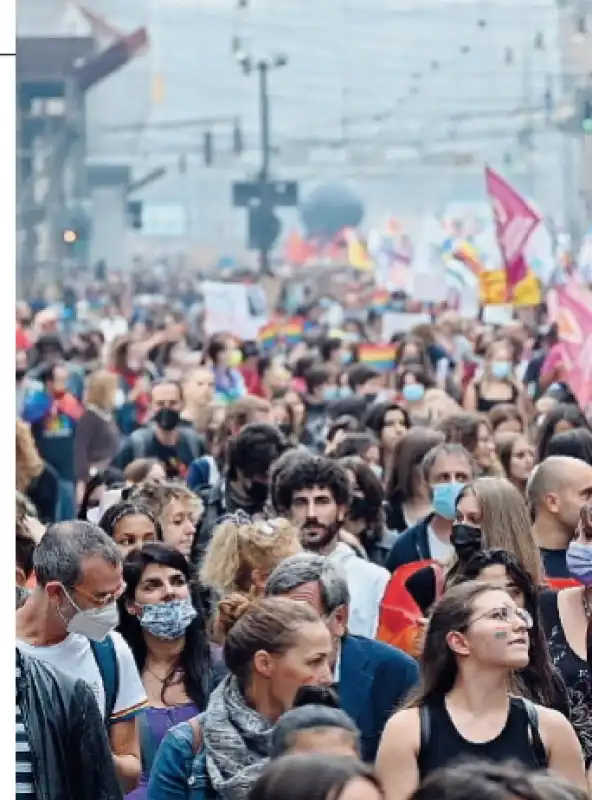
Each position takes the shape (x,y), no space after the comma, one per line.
(168,640)
(567,616)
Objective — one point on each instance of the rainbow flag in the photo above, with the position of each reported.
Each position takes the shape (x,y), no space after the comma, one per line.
(292,330)
(468,254)
(380,300)
(379,356)
(267,336)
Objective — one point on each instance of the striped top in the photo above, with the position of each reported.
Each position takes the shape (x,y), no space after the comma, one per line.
(25,787)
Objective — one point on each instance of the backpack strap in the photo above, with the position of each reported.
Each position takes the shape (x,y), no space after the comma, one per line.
(197,743)
(106,657)
(425,729)
(537,743)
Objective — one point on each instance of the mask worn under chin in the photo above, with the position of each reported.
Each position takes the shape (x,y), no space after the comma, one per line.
(168,620)
(94,623)
(167,419)
(257,493)
(466,540)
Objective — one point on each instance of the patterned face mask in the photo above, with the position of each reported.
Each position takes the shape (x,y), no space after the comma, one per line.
(168,620)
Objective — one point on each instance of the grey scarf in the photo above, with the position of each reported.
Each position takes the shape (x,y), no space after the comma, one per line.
(236,740)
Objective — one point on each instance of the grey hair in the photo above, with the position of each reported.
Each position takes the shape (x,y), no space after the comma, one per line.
(310,568)
(308,718)
(445,449)
(65,546)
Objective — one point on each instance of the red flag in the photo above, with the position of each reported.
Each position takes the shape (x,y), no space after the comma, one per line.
(515,222)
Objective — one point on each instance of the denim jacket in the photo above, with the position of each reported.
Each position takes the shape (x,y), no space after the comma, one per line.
(177,773)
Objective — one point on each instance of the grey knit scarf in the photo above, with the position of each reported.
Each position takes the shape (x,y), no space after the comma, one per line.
(236,740)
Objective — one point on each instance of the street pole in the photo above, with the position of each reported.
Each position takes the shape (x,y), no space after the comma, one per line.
(263,68)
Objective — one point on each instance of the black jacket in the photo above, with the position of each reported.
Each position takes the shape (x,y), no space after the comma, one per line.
(69,746)
(411,545)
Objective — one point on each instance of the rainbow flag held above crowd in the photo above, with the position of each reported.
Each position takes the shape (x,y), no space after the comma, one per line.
(292,331)
(379,356)
(380,300)
(268,335)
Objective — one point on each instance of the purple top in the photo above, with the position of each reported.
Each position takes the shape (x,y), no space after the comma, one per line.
(160,721)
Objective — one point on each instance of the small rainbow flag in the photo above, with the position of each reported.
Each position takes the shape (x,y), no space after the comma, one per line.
(380,300)
(379,356)
(468,254)
(268,335)
(292,330)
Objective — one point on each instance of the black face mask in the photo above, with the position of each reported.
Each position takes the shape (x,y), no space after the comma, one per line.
(359,508)
(467,540)
(167,419)
(20,374)
(257,493)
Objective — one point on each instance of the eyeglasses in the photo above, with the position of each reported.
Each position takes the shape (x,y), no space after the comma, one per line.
(505,615)
(106,599)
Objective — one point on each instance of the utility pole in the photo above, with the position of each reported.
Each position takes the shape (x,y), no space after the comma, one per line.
(266,208)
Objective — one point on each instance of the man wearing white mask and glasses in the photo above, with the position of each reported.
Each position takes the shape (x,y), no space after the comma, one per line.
(68,622)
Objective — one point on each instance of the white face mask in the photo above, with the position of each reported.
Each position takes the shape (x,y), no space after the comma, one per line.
(94,515)
(94,623)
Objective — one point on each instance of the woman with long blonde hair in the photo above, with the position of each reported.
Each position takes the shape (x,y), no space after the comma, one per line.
(34,478)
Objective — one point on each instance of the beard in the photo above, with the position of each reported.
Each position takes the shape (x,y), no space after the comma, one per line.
(316,536)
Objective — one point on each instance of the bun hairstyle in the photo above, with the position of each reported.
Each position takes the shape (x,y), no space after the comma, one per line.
(316,696)
(272,625)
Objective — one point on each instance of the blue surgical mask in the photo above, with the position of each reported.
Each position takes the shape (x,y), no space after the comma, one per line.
(444,497)
(331,393)
(579,562)
(168,620)
(377,470)
(413,392)
(501,369)
(346,357)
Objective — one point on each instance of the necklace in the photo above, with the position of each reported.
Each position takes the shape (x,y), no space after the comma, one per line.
(175,674)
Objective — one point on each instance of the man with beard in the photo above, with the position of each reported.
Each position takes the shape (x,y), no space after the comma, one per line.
(315,493)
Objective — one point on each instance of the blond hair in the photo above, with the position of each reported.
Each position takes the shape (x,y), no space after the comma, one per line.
(237,549)
(29,463)
(100,389)
(158,496)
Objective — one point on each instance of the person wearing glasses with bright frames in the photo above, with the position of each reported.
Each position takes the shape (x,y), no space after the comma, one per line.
(68,622)
(465,706)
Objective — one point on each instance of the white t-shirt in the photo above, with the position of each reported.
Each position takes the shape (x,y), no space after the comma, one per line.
(439,550)
(367,583)
(74,657)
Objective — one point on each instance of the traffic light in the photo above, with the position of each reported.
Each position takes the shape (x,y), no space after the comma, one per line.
(76,233)
(587,116)
(264,228)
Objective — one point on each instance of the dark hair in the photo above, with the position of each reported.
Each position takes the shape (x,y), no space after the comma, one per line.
(575,444)
(463,429)
(317,376)
(420,374)
(303,365)
(317,715)
(110,478)
(505,412)
(263,365)
(45,373)
(128,508)
(542,682)
(347,424)
(376,416)
(504,447)
(309,473)
(167,382)
(355,444)
(254,450)
(215,347)
(490,781)
(310,777)
(564,412)
(407,457)
(138,470)
(195,657)
(371,487)
(359,374)
(329,346)
(25,550)
(354,406)
(316,696)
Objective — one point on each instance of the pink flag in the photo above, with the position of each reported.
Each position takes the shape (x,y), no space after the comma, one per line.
(515,221)
(570,307)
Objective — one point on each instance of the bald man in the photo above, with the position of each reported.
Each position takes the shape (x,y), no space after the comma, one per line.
(556,492)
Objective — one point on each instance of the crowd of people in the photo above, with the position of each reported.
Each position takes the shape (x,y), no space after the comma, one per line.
(253,571)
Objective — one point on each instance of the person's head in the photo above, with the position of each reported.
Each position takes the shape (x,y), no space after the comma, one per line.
(54,377)
(219,353)
(365,516)
(574,444)
(473,432)
(516,456)
(144,469)
(101,389)
(405,480)
(313,579)
(446,468)
(131,526)
(413,381)
(333,353)
(579,553)
(556,492)
(499,358)
(316,776)
(337,430)
(250,456)
(177,509)
(506,418)
(243,552)
(78,568)
(101,482)
(320,384)
(388,422)
(198,386)
(495,508)
(490,781)
(29,464)
(315,728)
(315,494)
(25,550)
(273,647)
(364,381)
(363,445)
(563,417)
(474,629)
(166,403)
(156,606)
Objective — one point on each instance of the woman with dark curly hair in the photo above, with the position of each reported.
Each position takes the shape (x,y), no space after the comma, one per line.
(562,418)
(388,422)
(364,526)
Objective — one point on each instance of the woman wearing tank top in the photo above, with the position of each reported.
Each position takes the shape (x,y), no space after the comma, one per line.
(476,639)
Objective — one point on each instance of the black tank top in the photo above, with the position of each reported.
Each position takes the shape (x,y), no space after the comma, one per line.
(442,744)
